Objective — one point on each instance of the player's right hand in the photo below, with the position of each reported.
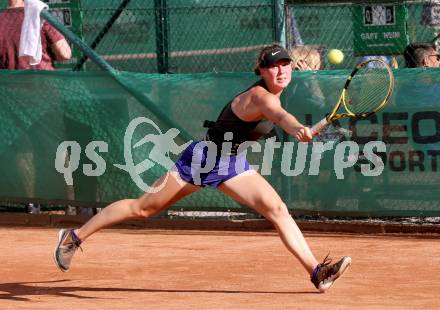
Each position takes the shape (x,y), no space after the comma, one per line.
(303,134)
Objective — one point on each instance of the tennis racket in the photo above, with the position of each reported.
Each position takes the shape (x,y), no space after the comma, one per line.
(367,90)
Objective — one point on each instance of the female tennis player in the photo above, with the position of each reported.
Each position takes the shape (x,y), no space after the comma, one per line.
(249,116)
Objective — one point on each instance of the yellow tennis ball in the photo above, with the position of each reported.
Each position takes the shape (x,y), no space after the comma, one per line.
(335,56)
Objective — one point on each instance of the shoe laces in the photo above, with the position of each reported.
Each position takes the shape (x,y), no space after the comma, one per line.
(74,243)
(76,240)
(320,272)
(327,261)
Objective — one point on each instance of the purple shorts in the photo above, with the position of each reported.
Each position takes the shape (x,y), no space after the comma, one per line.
(199,167)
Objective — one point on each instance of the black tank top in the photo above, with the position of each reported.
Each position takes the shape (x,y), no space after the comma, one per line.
(241,130)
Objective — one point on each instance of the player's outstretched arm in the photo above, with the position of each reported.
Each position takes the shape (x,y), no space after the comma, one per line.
(270,107)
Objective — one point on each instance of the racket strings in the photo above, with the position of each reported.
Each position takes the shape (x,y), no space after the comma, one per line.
(368,90)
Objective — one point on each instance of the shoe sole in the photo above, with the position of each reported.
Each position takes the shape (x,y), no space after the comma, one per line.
(60,239)
(345,264)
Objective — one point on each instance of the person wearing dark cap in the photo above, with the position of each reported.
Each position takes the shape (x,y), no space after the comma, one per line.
(246,118)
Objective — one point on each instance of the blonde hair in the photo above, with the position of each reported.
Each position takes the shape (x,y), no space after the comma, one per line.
(308,54)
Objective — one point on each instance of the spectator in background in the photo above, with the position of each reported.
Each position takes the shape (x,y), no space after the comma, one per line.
(306,58)
(54,48)
(421,55)
(54,45)
(295,34)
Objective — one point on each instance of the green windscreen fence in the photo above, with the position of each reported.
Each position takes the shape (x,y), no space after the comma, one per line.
(85,125)
(89,137)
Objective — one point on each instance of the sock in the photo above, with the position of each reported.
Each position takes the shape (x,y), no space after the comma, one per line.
(75,237)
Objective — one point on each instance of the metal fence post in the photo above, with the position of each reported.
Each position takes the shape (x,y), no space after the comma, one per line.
(161,16)
(279,20)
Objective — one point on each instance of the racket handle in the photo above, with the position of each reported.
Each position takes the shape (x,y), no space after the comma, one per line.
(319,126)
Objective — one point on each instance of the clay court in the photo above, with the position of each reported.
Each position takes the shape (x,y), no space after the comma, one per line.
(164,269)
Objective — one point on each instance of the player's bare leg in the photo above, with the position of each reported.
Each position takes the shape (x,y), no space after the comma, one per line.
(147,205)
(253,190)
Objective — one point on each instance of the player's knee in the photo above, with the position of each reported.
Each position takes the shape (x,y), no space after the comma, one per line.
(142,209)
(277,211)
(133,206)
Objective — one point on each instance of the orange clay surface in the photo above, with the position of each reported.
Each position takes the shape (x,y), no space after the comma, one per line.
(151,269)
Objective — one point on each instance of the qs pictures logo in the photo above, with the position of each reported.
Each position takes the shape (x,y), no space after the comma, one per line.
(295,157)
